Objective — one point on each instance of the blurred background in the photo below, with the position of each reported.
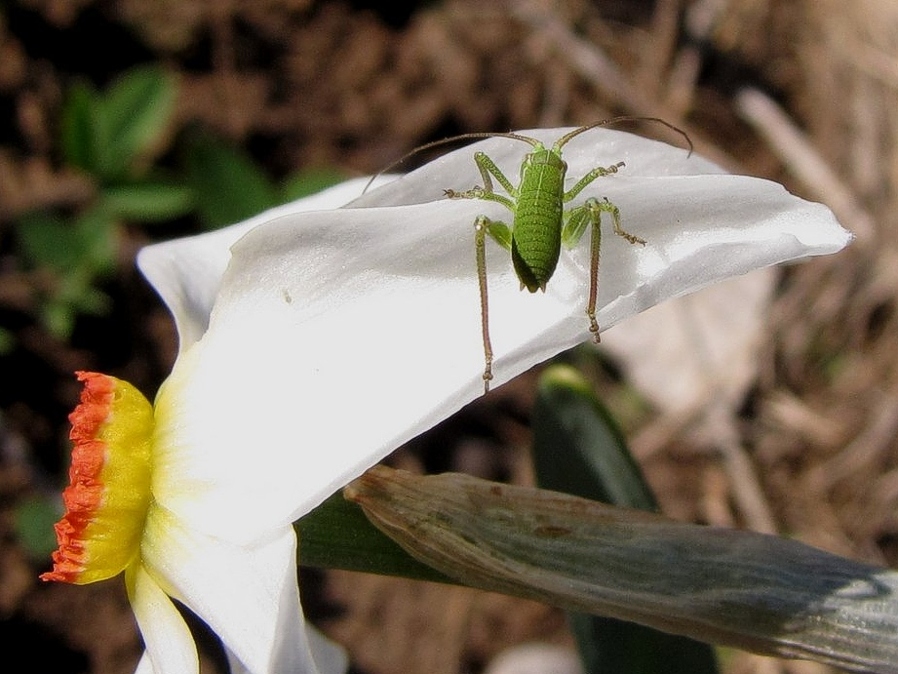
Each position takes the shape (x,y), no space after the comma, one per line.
(124,122)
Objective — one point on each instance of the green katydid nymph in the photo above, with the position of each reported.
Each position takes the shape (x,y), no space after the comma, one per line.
(540,221)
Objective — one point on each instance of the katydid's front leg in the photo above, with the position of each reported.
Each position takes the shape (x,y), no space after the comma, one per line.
(597,172)
(501,233)
(575,222)
(488,168)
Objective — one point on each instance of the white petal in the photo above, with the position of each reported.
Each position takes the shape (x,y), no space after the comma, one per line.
(170,646)
(338,335)
(187,272)
(328,656)
(247,595)
(144,665)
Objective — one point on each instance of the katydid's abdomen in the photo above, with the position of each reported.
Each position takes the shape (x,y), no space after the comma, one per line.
(536,234)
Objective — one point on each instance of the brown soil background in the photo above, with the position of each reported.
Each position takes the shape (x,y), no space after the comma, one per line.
(310,84)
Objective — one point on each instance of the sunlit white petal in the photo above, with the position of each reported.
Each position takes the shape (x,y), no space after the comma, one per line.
(311,300)
(169,644)
(327,655)
(247,595)
(187,272)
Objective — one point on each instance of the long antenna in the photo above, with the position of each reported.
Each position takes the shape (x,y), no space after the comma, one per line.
(445,141)
(532,141)
(618,120)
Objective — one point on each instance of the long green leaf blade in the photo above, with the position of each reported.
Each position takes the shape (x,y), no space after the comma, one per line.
(753,591)
(578,449)
(337,535)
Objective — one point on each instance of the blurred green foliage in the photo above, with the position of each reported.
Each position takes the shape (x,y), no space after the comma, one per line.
(113,136)
(116,137)
(34,520)
(228,186)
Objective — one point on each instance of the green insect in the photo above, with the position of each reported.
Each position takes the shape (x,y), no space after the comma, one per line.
(540,221)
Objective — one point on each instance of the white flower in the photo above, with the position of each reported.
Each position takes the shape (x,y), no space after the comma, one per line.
(314,343)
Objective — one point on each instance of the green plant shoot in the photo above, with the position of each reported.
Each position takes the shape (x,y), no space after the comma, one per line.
(540,221)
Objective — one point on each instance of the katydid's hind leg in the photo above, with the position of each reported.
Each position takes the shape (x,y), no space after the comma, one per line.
(501,233)
(595,245)
(591,213)
(608,207)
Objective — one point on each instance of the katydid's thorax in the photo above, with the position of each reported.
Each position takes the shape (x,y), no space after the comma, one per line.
(536,234)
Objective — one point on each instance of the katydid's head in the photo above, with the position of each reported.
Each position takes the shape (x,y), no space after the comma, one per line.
(543,155)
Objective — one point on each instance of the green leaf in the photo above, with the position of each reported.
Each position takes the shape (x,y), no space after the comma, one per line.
(78,252)
(133,113)
(148,202)
(85,299)
(337,535)
(578,449)
(7,341)
(73,294)
(34,519)
(96,232)
(757,592)
(78,130)
(49,240)
(228,186)
(58,318)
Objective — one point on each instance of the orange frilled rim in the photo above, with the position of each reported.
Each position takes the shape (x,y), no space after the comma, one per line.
(108,490)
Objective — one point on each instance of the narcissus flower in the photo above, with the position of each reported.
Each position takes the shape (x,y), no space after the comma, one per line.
(313,343)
